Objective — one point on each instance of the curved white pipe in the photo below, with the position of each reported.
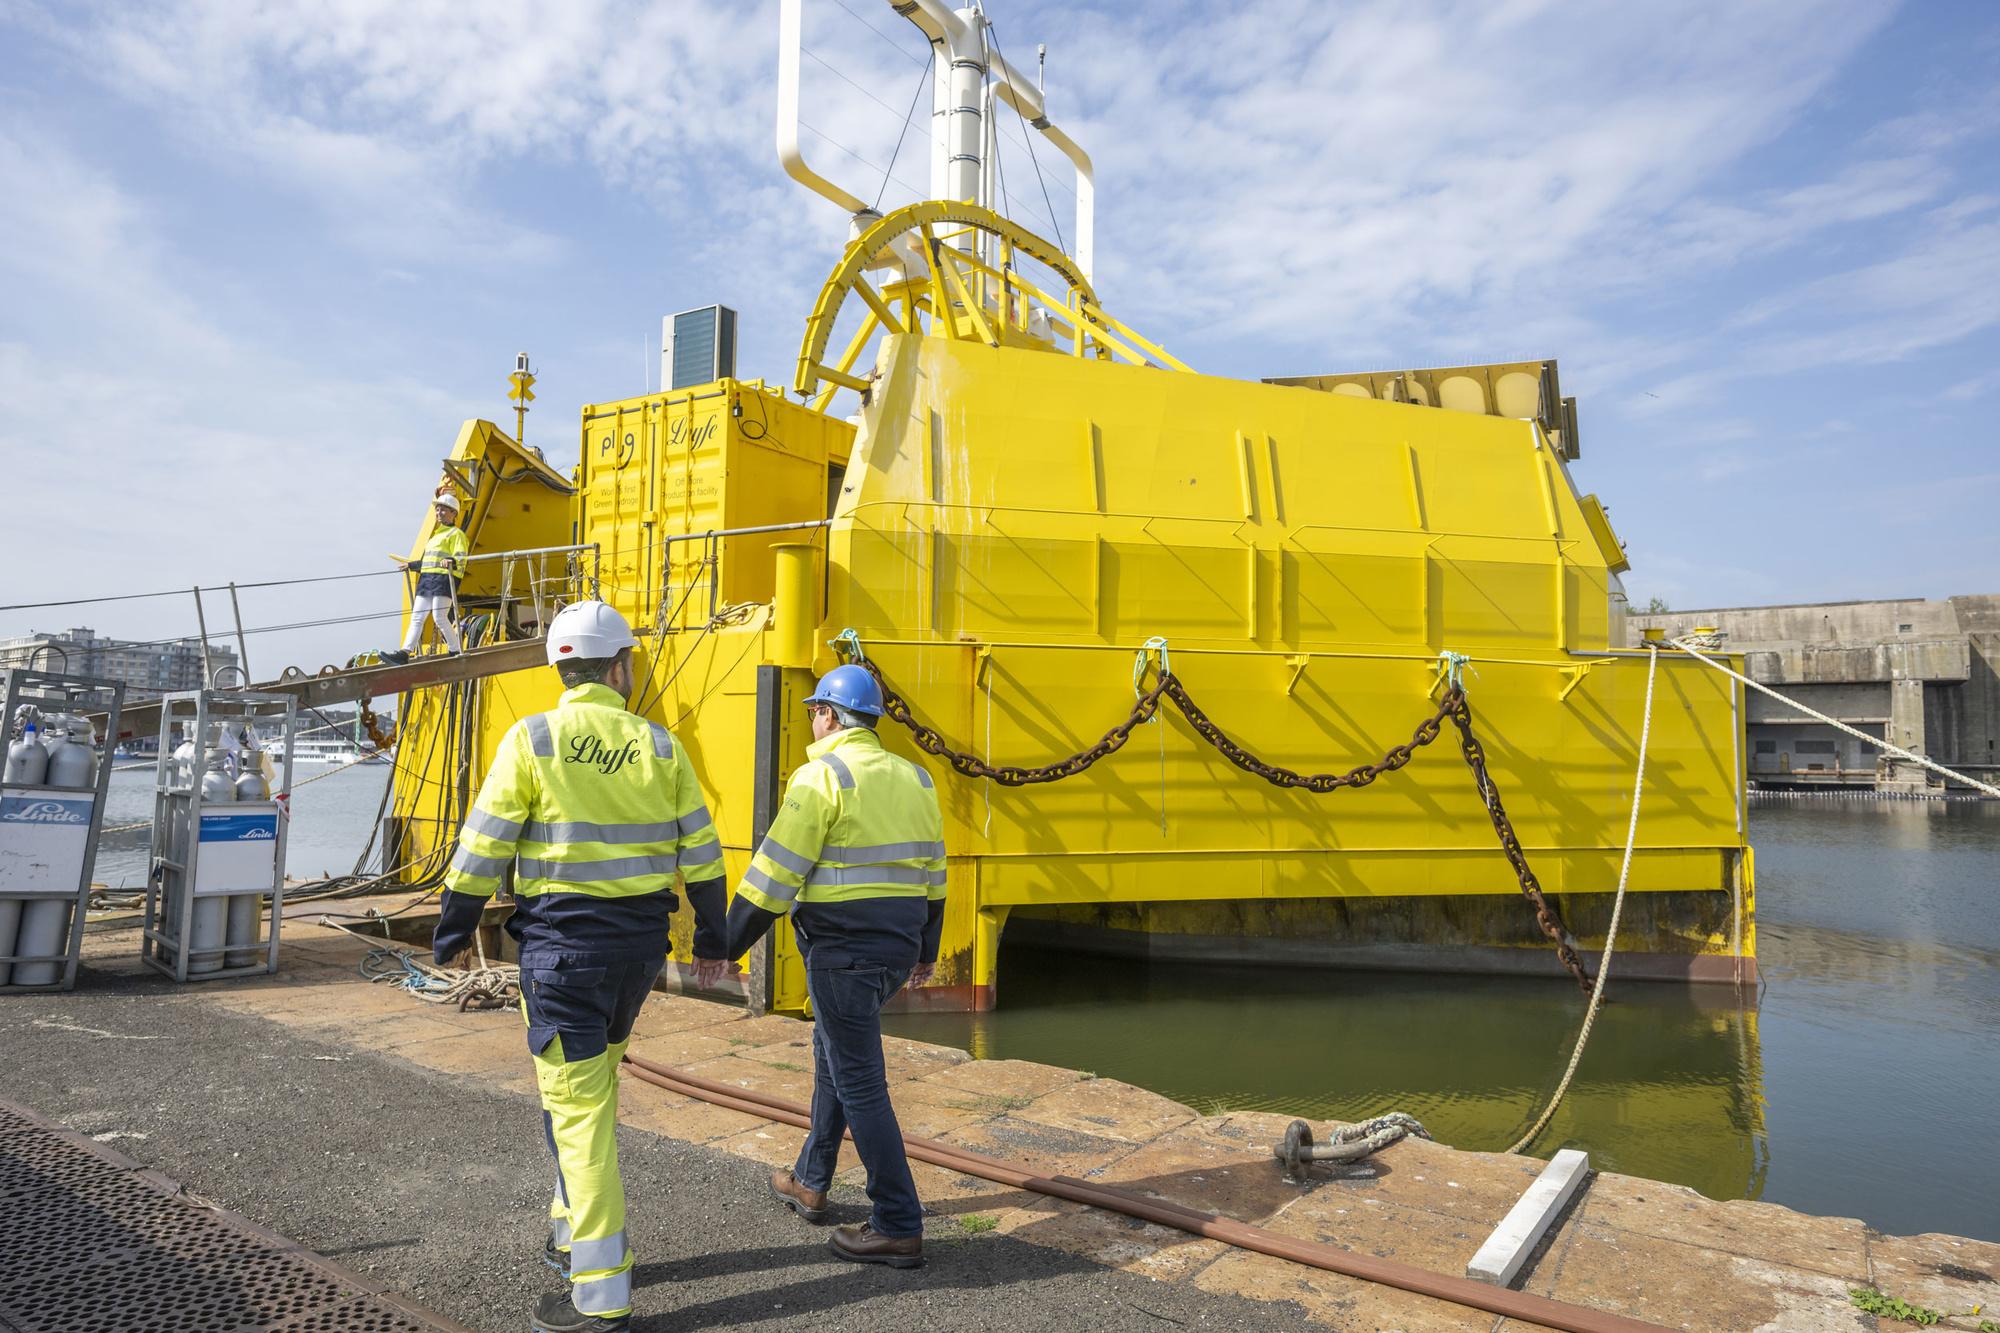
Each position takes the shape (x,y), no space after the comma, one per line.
(790,154)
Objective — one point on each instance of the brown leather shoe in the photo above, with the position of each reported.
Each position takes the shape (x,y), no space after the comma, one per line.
(809,1204)
(862,1246)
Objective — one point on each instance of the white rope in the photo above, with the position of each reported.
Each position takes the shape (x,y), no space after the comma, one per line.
(1617,909)
(427,981)
(1838,725)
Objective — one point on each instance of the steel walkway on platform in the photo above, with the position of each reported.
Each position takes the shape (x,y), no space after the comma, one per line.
(95,1243)
(375,680)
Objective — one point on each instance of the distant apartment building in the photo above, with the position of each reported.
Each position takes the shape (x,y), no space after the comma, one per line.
(146,668)
(1925,675)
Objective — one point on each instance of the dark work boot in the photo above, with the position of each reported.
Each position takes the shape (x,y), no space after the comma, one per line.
(394,656)
(862,1246)
(555,1256)
(809,1204)
(554,1314)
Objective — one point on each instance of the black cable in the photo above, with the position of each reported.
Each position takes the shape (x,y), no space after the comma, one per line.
(904,132)
(183,592)
(1026,134)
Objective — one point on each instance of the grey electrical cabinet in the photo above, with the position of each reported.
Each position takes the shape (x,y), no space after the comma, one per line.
(699,346)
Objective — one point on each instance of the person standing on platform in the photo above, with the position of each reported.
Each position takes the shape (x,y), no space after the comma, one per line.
(856,856)
(597,810)
(438,573)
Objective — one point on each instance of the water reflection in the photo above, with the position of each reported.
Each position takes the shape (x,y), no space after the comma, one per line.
(1673,1086)
(1862,1082)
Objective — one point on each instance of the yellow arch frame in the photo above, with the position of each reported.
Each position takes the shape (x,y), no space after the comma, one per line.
(964,297)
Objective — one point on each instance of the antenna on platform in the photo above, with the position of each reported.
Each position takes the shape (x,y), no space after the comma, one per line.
(970,76)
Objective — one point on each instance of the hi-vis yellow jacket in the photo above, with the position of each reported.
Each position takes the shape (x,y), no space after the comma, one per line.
(597,810)
(856,855)
(445,553)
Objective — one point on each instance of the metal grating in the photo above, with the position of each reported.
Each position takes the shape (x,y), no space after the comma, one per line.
(94,1244)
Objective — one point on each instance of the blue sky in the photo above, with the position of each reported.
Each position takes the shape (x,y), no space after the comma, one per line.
(258,262)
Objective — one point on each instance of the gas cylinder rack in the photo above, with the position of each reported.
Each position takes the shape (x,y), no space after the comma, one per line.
(218,834)
(51,810)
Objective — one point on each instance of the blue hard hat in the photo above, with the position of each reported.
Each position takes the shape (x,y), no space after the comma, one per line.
(851,687)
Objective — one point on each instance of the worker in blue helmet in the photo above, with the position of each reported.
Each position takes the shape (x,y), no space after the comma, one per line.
(856,857)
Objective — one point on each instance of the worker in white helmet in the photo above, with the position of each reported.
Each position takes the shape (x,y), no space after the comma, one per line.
(438,573)
(598,813)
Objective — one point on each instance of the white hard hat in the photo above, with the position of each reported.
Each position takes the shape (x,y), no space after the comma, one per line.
(447,499)
(586,630)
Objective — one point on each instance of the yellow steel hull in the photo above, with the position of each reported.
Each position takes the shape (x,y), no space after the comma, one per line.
(1008,526)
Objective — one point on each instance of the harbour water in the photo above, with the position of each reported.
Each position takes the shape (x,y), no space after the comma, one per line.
(1863,1081)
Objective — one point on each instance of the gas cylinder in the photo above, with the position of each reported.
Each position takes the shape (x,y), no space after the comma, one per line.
(207,933)
(217,786)
(72,760)
(44,930)
(180,768)
(250,783)
(10,922)
(27,759)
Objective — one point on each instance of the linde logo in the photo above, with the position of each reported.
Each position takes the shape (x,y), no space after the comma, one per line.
(259,833)
(44,812)
(590,750)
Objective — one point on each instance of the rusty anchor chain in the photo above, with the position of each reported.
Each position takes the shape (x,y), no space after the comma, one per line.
(1167,685)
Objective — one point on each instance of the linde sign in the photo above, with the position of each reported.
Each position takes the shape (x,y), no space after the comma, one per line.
(28,810)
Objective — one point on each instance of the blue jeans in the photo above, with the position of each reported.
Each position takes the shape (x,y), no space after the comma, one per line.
(851,1093)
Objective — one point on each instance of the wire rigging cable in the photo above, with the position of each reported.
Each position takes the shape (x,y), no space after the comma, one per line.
(1032,158)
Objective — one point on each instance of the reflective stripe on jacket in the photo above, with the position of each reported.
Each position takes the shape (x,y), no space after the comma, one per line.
(591,803)
(445,553)
(857,823)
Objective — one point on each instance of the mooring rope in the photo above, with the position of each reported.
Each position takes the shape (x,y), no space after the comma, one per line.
(1817,716)
(1611,934)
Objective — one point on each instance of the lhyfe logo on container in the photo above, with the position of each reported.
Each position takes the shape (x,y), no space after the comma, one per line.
(27,810)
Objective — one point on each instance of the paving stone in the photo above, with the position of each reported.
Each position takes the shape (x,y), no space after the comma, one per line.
(1692,1287)
(498,1059)
(1946,1272)
(777,1146)
(680,1049)
(1048,1150)
(793,1084)
(1832,1245)
(769,1030)
(1334,1301)
(1434,1241)
(1017,1081)
(1108,1109)
(679,1013)
(644,1106)
(1200,1165)
(1114,1240)
(906,1059)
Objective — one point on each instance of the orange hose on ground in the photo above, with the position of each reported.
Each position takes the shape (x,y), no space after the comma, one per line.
(1314,1254)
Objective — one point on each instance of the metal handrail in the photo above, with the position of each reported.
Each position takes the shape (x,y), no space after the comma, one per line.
(710,541)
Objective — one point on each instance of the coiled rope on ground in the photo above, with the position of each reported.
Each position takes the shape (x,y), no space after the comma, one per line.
(487,986)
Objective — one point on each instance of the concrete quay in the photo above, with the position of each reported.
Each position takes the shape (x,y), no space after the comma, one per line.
(417,1120)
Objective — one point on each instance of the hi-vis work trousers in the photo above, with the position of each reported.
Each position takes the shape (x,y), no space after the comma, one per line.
(580,1018)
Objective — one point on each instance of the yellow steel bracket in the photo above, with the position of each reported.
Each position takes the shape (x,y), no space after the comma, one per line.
(848,644)
(1573,677)
(1298,662)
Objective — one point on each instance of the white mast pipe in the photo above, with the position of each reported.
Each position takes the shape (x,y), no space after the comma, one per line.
(937,22)
(790,154)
